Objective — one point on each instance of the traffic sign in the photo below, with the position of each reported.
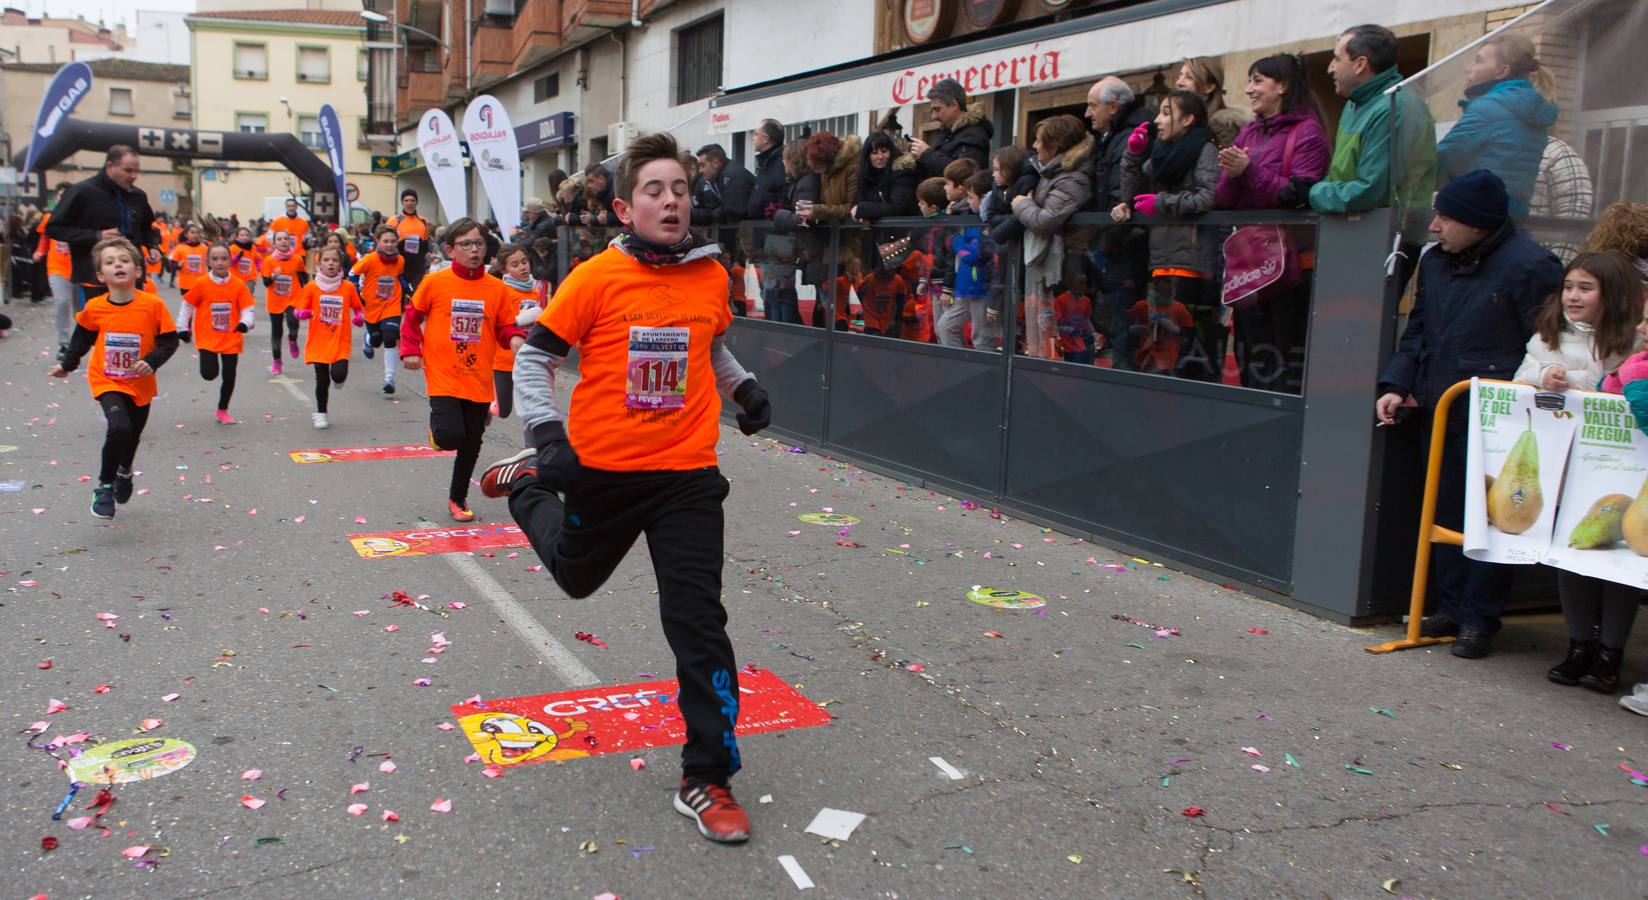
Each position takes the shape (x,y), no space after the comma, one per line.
(351,192)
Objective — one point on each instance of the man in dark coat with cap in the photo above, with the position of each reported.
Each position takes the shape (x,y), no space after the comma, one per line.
(1479,290)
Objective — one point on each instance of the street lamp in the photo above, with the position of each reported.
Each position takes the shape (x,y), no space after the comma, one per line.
(379,18)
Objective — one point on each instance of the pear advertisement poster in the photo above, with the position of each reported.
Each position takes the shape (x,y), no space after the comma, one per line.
(1602,526)
(1514,474)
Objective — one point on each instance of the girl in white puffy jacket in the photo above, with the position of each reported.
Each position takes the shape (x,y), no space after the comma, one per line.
(1584,332)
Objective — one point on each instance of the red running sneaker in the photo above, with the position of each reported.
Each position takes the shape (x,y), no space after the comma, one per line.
(460,513)
(499,476)
(718,815)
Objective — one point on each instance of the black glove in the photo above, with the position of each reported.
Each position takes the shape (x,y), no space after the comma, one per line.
(183,336)
(558,465)
(1296,195)
(757,412)
(241,327)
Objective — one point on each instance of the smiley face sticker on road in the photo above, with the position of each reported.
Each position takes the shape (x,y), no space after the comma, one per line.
(1005,599)
(822,518)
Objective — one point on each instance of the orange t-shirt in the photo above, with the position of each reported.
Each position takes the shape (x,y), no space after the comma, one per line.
(331,315)
(519,300)
(380,281)
(297,228)
(246,265)
(125,334)
(217,312)
(646,398)
(57,252)
(169,235)
(191,264)
(882,299)
(844,288)
(414,232)
(152,260)
(285,287)
(461,318)
(263,244)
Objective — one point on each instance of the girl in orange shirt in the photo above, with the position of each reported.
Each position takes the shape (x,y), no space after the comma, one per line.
(466,315)
(380,279)
(244,259)
(129,334)
(222,302)
(190,257)
(283,277)
(526,299)
(325,302)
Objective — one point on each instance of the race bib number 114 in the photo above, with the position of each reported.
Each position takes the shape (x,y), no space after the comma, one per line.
(657,371)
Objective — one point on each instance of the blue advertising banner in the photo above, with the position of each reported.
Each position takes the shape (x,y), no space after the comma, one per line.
(332,133)
(541,134)
(67,87)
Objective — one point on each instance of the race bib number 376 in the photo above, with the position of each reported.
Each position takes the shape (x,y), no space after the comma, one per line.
(657,371)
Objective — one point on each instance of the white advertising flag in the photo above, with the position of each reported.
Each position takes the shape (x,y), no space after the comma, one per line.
(497,158)
(443,158)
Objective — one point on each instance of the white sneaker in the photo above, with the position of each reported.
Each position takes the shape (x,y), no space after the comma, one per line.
(1640,689)
(321,421)
(1637,703)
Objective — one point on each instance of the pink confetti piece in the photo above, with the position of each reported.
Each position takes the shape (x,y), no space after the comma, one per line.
(39,727)
(423,682)
(251,775)
(360,520)
(1252,751)
(135,851)
(150,724)
(32,583)
(637,763)
(38,510)
(391,628)
(79,824)
(1261,769)
(446,726)
(169,698)
(299,520)
(457,604)
(390,815)
(356,809)
(439,639)
(1560,746)
(362,612)
(472,758)
(107,617)
(386,766)
(252,511)
(251,802)
(493,771)
(441,806)
(361,788)
(54,706)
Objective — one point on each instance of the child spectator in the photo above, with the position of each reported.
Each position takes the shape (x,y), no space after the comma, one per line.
(1159,323)
(955,184)
(850,282)
(1073,316)
(975,263)
(884,300)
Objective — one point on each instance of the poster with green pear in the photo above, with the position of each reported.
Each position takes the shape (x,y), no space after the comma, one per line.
(1602,525)
(1513,471)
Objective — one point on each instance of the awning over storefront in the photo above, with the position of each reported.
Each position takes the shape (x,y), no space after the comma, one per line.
(1083,49)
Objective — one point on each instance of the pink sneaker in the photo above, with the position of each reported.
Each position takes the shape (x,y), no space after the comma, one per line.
(223,417)
(274,369)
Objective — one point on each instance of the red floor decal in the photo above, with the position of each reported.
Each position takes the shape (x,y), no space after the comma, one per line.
(618,719)
(357,454)
(424,541)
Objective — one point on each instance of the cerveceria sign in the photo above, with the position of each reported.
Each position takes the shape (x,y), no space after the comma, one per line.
(1018,67)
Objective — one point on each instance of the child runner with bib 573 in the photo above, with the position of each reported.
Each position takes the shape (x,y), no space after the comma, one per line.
(635,452)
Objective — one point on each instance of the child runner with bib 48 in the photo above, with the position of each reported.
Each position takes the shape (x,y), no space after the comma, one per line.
(130,335)
(635,452)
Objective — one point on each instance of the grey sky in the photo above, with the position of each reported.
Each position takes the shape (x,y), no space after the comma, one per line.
(111,13)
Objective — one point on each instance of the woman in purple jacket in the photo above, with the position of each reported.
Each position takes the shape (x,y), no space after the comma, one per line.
(1284,141)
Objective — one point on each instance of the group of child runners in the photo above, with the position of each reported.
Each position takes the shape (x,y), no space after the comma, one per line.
(634,453)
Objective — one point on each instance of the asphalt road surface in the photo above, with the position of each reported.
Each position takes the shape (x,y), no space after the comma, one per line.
(1073,743)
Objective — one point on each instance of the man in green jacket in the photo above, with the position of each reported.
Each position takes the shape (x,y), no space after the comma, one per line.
(1369,152)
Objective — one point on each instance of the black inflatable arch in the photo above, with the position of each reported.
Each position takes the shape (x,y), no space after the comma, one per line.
(74,135)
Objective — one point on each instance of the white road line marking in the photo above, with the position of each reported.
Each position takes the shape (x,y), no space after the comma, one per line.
(292,389)
(946,768)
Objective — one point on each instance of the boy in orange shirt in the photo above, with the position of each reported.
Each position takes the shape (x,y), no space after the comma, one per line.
(222,302)
(190,257)
(380,278)
(636,451)
(330,305)
(130,335)
(514,266)
(283,276)
(459,317)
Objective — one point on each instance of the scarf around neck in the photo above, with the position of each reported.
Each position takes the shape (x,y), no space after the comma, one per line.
(1171,161)
(653,254)
(328,284)
(282,255)
(521,284)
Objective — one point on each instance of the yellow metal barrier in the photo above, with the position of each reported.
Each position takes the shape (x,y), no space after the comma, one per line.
(1429,532)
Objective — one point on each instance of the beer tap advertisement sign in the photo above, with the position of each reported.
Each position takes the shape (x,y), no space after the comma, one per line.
(1602,525)
(1513,472)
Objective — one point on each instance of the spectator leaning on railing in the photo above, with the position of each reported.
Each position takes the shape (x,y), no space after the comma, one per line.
(771,182)
(1115,112)
(836,162)
(1479,290)
(1064,151)
(964,132)
(1284,140)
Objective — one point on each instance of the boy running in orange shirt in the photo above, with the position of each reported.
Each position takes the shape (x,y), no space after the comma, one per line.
(283,276)
(224,306)
(636,451)
(515,268)
(190,257)
(458,318)
(330,305)
(130,335)
(380,277)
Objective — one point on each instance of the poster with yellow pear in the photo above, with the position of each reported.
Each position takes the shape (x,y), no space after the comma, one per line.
(1602,525)
(1513,473)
